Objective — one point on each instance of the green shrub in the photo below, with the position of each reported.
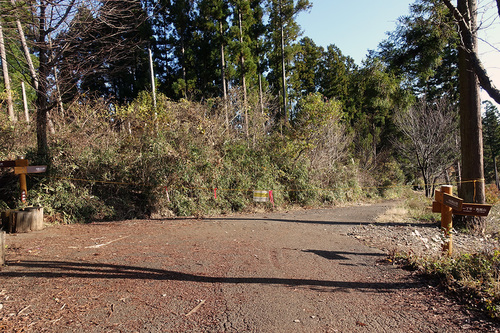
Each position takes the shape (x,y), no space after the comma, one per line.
(475,277)
(73,203)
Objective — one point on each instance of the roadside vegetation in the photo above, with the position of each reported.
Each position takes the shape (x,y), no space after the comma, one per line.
(471,276)
(137,166)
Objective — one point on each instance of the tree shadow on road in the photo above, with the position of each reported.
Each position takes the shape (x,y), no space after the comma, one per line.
(339,255)
(328,222)
(86,270)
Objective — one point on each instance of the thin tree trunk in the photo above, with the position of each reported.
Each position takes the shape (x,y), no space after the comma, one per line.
(25,103)
(426,183)
(26,51)
(223,74)
(184,74)
(6,77)
(151,70)
(459,177)
(50,122)
(261,95)
(243,79)
(497,182)
(446,176)
(58,92)
(153,89)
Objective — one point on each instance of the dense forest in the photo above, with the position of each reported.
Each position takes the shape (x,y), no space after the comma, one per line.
(184,107)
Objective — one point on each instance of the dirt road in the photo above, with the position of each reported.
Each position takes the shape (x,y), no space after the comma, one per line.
(295,271)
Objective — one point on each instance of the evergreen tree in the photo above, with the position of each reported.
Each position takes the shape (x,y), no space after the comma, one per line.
(206,48)
(283,33)
(377,95)
(423,51)
(241,47)
(306,68)
(259,46)
(180,26)
(491,135)
(335,74)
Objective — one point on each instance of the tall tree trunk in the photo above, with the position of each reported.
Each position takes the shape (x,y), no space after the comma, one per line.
(283,78)
(223,74)
(184,75)
(472,189)
(6,77)
(467,32)
(41,93)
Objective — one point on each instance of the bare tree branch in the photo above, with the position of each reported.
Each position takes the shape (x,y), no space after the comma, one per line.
(479,69)
(429,130)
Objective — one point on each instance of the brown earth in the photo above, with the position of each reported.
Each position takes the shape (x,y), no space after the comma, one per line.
(297,271)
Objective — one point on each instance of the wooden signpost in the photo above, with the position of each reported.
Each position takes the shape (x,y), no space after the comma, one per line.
(22,168)
(448,205)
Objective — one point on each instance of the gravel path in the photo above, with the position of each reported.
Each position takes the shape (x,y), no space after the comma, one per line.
(297,271)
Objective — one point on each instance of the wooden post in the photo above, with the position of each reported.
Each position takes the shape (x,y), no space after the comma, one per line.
(446,221)
(22,179)
(23,186)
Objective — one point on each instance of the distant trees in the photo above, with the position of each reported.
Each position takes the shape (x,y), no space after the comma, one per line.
(283,32)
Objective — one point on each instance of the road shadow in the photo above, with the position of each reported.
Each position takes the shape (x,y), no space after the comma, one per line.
(267,219)
(86,270)
(340,255)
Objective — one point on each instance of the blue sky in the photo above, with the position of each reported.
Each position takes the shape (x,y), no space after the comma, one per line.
(354,26)
(357,26)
